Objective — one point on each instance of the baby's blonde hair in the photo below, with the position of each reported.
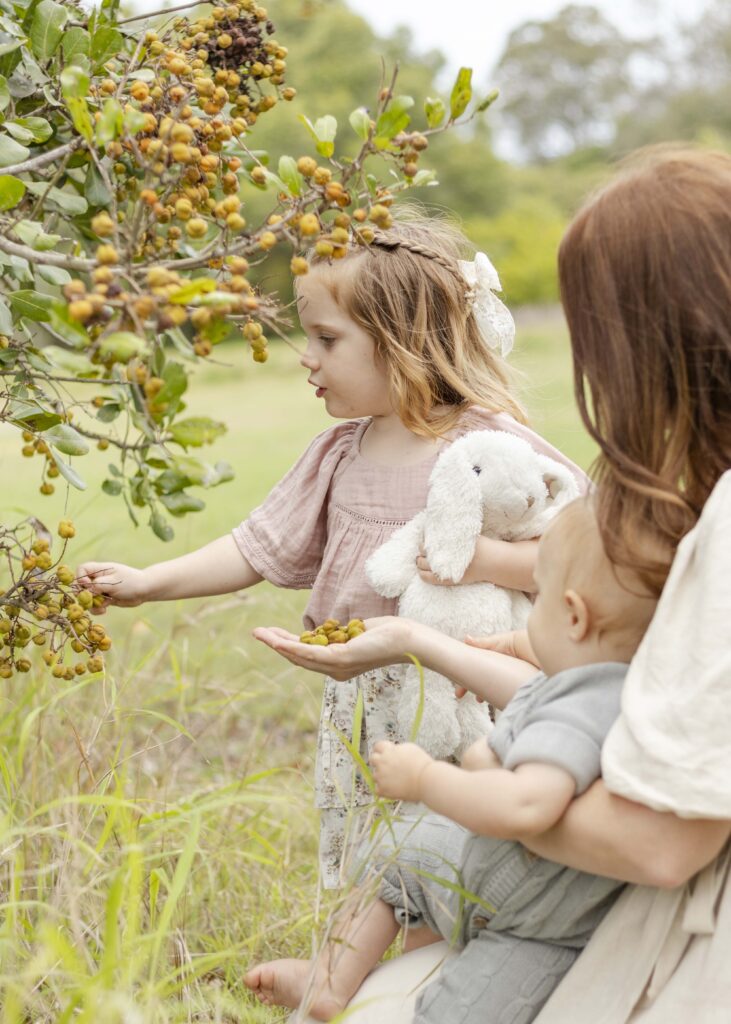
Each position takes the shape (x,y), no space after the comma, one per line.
(406,290)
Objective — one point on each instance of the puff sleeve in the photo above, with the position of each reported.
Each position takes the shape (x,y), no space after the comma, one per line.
(284,538)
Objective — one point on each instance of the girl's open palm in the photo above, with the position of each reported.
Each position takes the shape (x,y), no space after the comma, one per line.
(383,643)
(118,584)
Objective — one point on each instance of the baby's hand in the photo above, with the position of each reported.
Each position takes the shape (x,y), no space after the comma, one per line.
(397,769)
(478,757)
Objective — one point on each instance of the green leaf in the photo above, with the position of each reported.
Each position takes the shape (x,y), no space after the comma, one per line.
(11,152)
(76,42)
(425,176)
(112,487)
(12,191)
(67,439)
(196,431)
(19,133)
(393,120)
(122,346)
(38,127)
(68,473)
(73,363)
(6,320)
(95,189)
(160,526)
(176,383)
(31,304)
(31,232)
(488,101)
(360,122)
(435,110)
(192,290)
(108,412)
(58,198)
(461,93)
(179,503)
(53,275)
(323,132)
(4,93)
(74,87)
(111,122)
(290,175)
(46,30)
(105,43)
(133,121)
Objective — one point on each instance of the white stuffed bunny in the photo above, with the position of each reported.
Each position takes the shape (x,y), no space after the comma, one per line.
(488,483)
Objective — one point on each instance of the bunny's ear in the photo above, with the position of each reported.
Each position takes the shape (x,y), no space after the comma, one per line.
(561,488)
(453,516)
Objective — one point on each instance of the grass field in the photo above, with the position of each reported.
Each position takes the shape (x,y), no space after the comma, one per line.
(157,834)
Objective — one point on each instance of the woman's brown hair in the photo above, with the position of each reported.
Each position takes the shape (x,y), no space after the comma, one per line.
(406,290)
(645,275)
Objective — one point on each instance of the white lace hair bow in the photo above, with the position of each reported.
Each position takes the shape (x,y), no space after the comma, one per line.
(493,317)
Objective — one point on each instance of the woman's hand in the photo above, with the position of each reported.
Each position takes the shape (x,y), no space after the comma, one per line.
(118,584)
(397,769)
(385,642)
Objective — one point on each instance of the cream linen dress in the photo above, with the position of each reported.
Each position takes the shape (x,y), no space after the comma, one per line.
(660,956)
(315,531)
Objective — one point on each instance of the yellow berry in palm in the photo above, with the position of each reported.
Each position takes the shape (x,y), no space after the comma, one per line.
(319,640)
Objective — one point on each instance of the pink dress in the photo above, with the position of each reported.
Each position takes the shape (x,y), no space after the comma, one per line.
(315,531)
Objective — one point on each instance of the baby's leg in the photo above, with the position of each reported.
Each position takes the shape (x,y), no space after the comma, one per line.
(498,978)
(325,985)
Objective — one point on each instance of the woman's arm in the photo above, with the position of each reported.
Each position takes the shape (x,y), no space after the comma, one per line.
(504,563)
(389,640)
(608,835)
(217,568)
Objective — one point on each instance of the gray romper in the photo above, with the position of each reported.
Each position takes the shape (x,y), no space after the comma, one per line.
(526,918)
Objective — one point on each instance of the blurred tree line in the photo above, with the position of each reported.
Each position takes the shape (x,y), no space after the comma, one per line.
(576,95)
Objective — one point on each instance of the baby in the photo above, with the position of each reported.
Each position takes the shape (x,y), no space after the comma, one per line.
(518,921)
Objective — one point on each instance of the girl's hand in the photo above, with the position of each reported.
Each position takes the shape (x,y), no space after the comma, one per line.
(397,769)
(504,563)
(118,584)
(515,643)
(384,642)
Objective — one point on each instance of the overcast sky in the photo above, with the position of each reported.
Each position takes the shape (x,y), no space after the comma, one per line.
(474,32)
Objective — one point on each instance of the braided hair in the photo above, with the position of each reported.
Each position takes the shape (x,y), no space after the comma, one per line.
(406,289)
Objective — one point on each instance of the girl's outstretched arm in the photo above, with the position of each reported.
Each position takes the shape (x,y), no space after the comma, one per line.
(216,568)
(389,640)
(504,563)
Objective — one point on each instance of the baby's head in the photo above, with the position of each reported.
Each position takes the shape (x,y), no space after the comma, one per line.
(586,609)
(406,292)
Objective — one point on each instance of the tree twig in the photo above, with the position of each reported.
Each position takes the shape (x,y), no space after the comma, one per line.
(50,258)
(157,14)
(36,162)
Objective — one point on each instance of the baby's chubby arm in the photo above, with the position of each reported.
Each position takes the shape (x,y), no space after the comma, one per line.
(216,568)
(492,802)
(504,563)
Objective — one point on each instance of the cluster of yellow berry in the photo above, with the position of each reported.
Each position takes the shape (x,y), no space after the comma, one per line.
(46,609)
(332,632)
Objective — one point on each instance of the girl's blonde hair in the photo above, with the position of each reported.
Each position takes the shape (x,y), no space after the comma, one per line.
(406,290)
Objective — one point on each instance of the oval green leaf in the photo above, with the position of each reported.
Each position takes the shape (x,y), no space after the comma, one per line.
(12,191)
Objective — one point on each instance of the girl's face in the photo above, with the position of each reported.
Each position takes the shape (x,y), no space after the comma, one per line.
(341,357)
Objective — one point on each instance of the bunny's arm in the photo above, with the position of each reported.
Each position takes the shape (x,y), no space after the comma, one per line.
(392,567)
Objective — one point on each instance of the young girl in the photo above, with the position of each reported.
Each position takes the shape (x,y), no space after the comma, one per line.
(405,343)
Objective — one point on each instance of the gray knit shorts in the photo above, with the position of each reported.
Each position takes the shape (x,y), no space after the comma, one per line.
(520,921)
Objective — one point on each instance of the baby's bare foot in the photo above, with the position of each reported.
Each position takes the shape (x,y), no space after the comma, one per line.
(286,982)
